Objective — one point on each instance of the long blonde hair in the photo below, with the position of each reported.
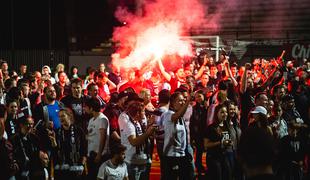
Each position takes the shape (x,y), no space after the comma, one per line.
(60,65)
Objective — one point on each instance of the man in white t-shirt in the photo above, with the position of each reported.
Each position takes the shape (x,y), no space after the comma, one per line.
(115,168)
(187,116)
(97,137)
(134,136)
(163,100)
(177,164)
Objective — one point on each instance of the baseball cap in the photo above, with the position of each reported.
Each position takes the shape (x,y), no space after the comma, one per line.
(259,109)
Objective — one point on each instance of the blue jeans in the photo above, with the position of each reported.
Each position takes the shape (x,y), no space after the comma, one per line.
(138,172)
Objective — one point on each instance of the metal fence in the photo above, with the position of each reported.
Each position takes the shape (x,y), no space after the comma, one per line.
(34,59)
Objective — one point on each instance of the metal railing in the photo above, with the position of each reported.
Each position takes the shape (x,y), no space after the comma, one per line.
(34,59)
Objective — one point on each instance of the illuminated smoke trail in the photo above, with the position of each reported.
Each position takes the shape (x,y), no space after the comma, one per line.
(157,33)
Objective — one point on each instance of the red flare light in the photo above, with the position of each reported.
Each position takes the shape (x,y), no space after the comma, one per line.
(157,34)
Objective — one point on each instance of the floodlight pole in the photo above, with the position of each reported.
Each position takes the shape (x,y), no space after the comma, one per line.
(217,48)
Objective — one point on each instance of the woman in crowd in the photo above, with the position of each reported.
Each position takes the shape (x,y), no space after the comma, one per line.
(59,68)
(232,123)
(11,122)
(197,128)
(277,123)
(73,72)
(217,142)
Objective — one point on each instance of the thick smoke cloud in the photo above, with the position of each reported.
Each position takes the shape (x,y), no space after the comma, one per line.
(157,33)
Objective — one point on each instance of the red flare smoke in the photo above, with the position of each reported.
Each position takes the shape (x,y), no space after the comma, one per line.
(157,33)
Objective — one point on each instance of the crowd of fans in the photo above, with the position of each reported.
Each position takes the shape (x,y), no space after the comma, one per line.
(252,121)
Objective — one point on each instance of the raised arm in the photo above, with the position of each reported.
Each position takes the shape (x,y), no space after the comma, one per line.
(270,78)
(244,79)
(111,84)
(202,68)
(163,71)
(229,74)
(181,111)
(1,80)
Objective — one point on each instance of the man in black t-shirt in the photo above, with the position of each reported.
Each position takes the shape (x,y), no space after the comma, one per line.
(75,103)
(215,77)
(61,87)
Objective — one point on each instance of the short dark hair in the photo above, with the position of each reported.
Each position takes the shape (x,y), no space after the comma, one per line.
(8,83)
(258,95)
(23,82)
(77,81)
(223,85)
(47,87)
(234,65)
(181,89)
(13,93)
(117,148)
(121,95)
(190,76)
(173,97)
(256,147)
(93,103)
(114,97)
(164,96)
(91,85)
(61,72)
(90,70)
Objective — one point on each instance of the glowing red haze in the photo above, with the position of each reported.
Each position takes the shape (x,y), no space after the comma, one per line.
(155,34)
